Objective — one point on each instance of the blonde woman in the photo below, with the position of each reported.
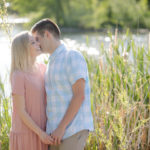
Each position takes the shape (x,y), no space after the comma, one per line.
(28,94)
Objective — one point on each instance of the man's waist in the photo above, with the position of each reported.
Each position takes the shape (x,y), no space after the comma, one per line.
(77,123)
(73,129)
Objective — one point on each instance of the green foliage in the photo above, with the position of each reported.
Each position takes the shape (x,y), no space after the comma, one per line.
(5,118)
(89,14)
(119,85)
(5,104)
(4,25)
(120,98)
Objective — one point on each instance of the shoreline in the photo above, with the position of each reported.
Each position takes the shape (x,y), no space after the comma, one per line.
(105,30)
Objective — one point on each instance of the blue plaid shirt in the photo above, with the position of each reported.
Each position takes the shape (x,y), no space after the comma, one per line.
(65,67)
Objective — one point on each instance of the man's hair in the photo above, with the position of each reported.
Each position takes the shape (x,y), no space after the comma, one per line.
(46,24)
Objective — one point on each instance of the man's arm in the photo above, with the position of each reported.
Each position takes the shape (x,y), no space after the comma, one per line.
(78,97)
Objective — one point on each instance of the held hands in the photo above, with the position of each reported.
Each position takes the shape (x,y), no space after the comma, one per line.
(54,138)
(57,135)
(46,139)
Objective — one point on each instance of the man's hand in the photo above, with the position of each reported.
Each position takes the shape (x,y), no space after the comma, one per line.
(46,139)
(57,135)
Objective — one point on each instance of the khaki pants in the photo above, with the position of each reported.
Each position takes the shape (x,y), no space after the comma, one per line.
(75,142)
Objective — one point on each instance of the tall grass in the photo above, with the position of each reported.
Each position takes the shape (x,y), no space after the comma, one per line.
(120,98)
(120,95)
(5,105)
(5,118)
(120,85)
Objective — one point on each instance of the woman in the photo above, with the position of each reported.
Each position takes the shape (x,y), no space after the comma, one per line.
(28,94)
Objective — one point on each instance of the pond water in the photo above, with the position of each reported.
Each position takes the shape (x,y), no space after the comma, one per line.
(89,42)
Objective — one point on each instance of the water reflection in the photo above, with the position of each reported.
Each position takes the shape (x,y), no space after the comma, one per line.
(89,42)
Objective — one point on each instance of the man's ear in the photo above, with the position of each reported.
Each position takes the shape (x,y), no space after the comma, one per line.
(47,34)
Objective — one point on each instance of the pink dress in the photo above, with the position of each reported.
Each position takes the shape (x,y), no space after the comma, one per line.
(31,86)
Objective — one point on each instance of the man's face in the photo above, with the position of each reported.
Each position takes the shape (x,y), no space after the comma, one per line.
(42,40)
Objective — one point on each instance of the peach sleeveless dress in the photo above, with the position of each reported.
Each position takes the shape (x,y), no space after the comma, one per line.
(31,86)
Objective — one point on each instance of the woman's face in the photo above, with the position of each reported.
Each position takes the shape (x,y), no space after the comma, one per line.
(34,46)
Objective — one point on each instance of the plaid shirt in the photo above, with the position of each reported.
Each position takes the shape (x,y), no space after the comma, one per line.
(64,69)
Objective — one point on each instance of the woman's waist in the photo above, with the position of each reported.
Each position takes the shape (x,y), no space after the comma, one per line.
(18,125)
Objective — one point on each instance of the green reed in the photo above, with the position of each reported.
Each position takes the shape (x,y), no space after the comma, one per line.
(120,86)
(5,118)
(5,102)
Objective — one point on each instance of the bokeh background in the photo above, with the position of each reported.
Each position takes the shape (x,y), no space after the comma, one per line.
(114,37)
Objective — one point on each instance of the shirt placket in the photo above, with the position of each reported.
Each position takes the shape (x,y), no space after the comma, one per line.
(50,74)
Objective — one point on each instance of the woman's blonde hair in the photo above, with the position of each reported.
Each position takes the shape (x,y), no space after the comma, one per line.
(20,54)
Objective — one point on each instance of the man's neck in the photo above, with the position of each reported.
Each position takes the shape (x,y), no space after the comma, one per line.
(55,46)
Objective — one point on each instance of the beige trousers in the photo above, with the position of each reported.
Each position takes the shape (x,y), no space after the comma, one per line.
(75,142)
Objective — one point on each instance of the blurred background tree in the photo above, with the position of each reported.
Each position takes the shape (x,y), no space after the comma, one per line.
(88,14)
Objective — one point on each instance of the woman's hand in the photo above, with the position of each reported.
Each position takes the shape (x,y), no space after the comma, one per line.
(19,102)
(45,138)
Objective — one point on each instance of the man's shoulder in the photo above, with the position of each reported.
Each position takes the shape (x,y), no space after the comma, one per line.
(74,54)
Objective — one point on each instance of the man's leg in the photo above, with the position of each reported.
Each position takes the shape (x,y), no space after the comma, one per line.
(53,147)
(75,142)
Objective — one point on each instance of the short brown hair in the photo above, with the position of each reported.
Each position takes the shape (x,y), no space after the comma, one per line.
(46,24)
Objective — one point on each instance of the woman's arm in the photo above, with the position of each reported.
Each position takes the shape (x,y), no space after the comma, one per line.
(19,103)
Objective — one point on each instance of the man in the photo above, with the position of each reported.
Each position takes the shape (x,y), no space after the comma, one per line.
(67,88)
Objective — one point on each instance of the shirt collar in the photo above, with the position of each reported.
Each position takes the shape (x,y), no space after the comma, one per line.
(57,51)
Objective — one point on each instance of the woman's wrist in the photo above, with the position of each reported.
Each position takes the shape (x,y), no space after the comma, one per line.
(39,133)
